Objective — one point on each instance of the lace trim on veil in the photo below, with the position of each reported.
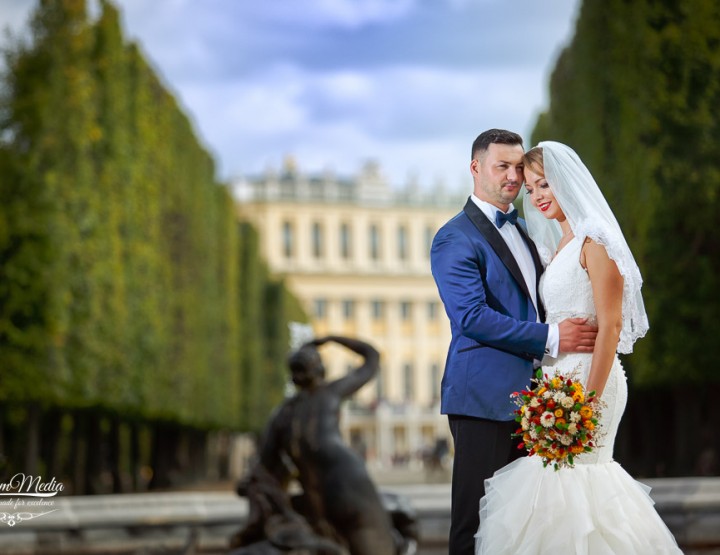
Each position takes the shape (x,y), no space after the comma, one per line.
(634,319)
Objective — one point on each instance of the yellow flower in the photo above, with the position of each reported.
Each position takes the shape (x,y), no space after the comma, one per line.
(559,413)
(578,396)
(586,412)
(555,382)
(541,391)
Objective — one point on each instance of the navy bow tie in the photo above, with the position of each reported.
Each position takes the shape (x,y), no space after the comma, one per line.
(502,217)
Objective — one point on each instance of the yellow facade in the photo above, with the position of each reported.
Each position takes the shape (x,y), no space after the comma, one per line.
(357,255)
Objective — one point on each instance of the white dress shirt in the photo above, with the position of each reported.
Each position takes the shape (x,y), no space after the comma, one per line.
(521,253)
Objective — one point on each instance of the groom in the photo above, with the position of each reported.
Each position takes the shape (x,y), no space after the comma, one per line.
(487,271)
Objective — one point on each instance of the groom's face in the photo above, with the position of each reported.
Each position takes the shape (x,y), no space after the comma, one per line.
(498,174)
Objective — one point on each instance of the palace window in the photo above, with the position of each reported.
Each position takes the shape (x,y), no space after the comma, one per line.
(320,309)
(435,381)
(409,382)
(379,388)
(432,310)
(318,246)
(378,309)
(288,238)
(345,241)
(429,235)
(374,242)
(402,243)
(405,310)
(348,309)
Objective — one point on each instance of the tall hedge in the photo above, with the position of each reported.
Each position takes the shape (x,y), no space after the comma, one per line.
(636,94)
(126,283)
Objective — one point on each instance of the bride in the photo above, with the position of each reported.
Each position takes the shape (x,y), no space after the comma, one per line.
(596,507)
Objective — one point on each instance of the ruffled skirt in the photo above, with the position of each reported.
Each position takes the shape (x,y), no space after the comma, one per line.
(591,509)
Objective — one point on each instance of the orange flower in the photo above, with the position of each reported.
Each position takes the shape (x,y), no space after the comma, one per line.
(589,425)
(560,422)
(559,413)
(586,412)
(577,449)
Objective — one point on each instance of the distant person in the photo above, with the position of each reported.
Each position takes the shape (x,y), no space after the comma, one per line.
(595,507)
(487,270)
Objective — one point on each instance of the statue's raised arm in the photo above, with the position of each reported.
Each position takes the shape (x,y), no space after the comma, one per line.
(361,375)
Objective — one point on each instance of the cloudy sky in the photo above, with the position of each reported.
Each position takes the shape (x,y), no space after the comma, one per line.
(408,83)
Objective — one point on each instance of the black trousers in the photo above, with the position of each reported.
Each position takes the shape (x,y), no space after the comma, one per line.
(481,447)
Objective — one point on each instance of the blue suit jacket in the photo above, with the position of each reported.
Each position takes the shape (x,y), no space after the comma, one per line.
(495,335)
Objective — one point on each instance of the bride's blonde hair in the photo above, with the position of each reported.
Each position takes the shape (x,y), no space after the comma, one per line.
(533,160)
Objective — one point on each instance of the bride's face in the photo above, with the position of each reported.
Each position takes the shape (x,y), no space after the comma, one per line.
(541,196)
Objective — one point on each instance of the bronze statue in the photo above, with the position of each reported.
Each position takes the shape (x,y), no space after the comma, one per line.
(339,510)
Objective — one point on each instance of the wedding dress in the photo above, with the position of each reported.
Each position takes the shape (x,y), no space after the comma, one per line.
(595,508)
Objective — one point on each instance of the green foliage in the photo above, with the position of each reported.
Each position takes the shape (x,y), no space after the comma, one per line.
(126,283)
(636,95)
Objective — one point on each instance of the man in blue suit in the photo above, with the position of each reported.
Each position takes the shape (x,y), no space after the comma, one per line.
(487,271)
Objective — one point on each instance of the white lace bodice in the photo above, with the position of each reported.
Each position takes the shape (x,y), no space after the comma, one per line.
(566,292)
(565,287)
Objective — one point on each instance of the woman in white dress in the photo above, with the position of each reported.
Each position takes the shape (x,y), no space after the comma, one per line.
(596,507)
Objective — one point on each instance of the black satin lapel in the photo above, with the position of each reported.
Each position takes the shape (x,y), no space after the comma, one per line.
(538,267)
(533,250)
(492,235)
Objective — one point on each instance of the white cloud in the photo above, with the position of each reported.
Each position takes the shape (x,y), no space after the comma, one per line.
(258,108)
(413,120)
(348,14)
(335,82)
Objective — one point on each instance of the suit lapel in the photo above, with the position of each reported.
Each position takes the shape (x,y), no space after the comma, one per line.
(492,236)
(538,268)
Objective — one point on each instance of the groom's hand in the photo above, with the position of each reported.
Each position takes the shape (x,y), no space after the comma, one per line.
(577,336)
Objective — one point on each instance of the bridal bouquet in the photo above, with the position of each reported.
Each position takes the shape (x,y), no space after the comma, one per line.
(557,419)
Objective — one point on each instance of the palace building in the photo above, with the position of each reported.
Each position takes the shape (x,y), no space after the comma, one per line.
(356,253)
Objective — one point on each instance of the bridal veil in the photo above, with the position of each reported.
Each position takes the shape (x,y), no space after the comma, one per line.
(589,216)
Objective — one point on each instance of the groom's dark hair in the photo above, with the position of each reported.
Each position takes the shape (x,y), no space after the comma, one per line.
(492,136)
